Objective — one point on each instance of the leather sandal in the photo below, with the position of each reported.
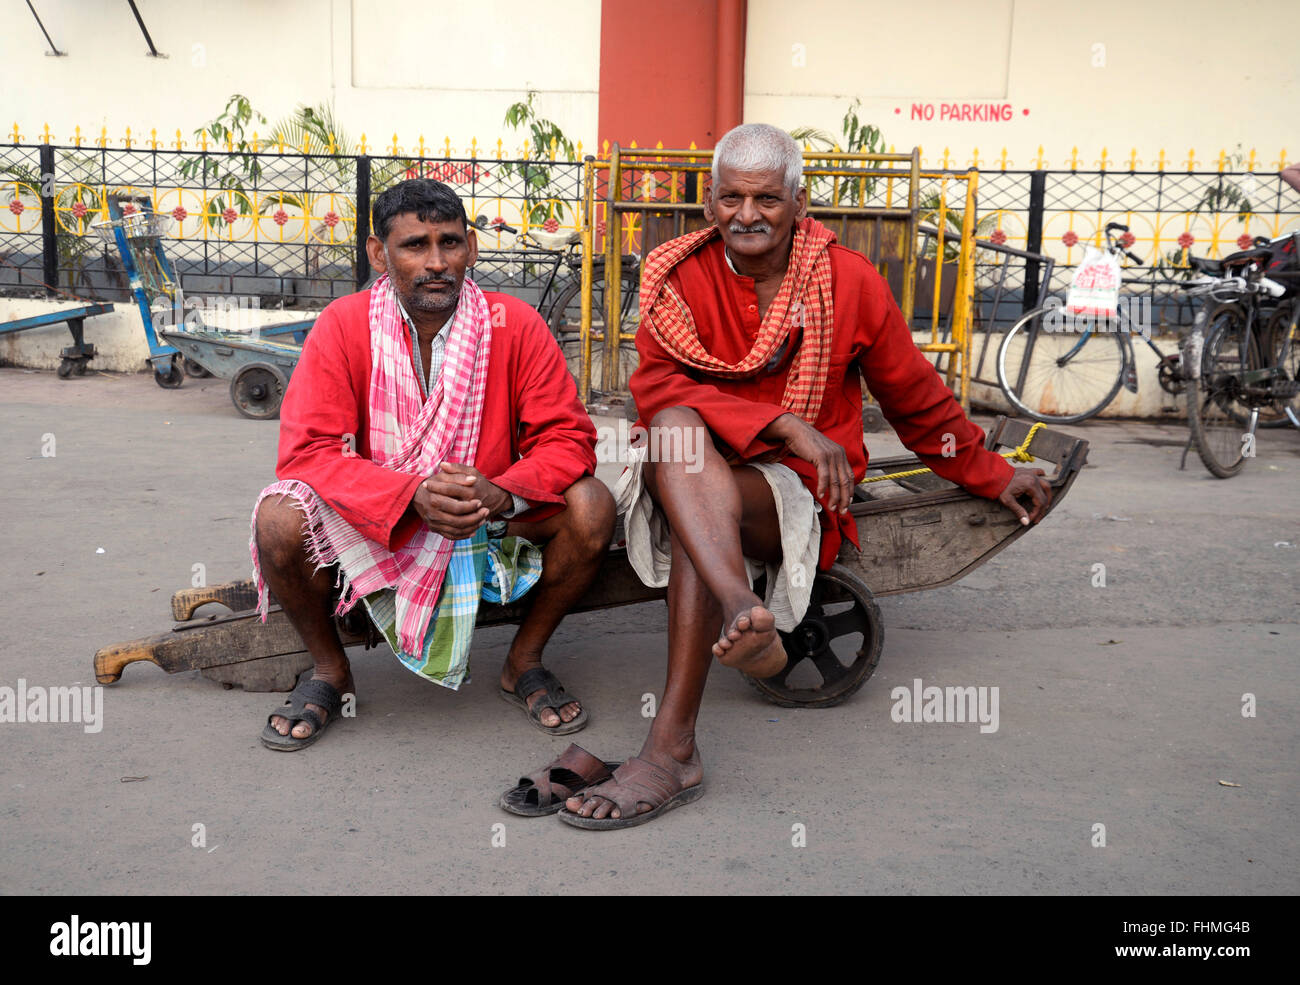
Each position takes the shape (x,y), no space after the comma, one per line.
(545,791)
(636,782)
(555,698)
(307,691)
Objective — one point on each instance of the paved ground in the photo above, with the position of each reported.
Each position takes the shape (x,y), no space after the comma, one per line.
(1119,706)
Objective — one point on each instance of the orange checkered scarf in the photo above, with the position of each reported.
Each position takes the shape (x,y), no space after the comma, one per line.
(803,301)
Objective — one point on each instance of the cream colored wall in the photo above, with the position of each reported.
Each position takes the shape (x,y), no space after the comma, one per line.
(1171,74)
(441,70)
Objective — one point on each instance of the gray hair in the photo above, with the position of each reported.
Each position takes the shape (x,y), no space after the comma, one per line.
(759,147)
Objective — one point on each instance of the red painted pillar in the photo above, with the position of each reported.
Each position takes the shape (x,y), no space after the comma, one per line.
(673,71)
(729,94)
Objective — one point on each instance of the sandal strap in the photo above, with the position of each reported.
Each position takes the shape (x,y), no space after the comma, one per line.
(636,782)
(573,770)
(538,679)
(308,691)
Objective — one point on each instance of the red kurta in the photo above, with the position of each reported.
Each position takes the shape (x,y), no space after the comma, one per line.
(536,438)
(870,336)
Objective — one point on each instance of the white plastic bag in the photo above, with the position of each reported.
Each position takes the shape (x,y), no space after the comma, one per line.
(1095,287)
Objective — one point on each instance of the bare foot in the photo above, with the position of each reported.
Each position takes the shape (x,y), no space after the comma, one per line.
(510,675)
(751,644)
(342,681)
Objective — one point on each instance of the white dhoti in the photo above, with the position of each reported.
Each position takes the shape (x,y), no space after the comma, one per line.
(789,583)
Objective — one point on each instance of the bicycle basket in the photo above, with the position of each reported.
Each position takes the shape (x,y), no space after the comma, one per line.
(137,225)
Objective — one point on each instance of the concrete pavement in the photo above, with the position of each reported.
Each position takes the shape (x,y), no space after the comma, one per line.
(1119,706)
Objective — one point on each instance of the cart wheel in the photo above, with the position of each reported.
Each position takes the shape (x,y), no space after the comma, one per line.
(834,650)
(195,370)
(257,390)
(174,376)
(873,419)
(65,368)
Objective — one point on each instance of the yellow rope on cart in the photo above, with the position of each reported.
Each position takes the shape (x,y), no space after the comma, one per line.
(1019,454)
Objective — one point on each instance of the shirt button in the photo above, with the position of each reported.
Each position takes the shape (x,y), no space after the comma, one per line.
(753,307)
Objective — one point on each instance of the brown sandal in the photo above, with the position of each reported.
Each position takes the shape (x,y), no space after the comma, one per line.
(636,782)
(545,791)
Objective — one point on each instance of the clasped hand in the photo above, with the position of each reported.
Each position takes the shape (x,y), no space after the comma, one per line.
(458,499)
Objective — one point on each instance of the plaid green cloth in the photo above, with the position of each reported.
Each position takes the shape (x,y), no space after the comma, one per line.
(480,568)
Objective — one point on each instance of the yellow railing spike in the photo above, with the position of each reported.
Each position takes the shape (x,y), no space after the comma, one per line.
(1281,159)
(279,143)
(16,135)
(578,150)
(604,150)
(692,147)
(1002,161)
(947,162)
(1223,159)
(1038,161)
(76,137)
(420,148)
(975,158)
(555,148)
(153,138)
(446,145)
(1250,160)
(1160,164)
(1074,158)
(1133,159)
(230,145)
(179,144)
(632,144)
(126,141)
(659,145)
(526,154)
(46,138)
(257,143)
(501,149)
(1191,159)
(362,145)
(332,149)
(203,139)
(473,148)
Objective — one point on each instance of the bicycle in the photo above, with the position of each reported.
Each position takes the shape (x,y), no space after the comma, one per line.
(560,301)
(1242,360)
(1051,380)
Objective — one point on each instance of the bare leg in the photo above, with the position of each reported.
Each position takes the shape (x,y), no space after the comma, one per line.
(304,596)
(708,512)
(695,612)
(576,542)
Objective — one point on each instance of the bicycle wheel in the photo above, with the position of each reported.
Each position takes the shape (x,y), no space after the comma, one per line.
(1057,370)
(1217,415)
(565,321)
(1283,336)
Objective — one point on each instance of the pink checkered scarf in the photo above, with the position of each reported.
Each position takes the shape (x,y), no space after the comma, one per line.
(408,435)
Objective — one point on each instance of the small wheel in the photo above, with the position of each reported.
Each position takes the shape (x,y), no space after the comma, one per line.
(257,391)
(195,370)
(873,419)
(833,650)
(80,368)
(174,376)
(65,368)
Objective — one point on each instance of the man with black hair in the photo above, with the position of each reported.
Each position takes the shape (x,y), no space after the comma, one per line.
(431,437)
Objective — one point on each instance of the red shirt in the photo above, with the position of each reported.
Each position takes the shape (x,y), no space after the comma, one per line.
(870,337)
(535,440)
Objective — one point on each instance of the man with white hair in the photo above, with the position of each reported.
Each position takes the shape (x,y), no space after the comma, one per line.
(755,331)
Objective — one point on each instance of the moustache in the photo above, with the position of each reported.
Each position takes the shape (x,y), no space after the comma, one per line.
(434,279)
(758,227)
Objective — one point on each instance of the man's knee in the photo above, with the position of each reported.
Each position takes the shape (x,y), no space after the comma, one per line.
(279,533)
(677,417)
(589,513)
